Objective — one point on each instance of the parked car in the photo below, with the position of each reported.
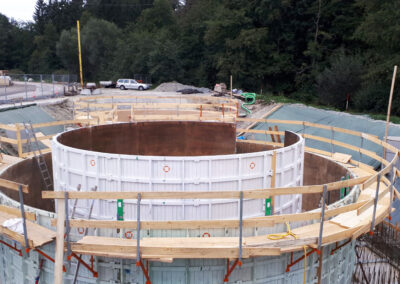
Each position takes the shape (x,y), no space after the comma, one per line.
(124,84)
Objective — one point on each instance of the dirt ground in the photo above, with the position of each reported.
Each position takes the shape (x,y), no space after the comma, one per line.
(60,111)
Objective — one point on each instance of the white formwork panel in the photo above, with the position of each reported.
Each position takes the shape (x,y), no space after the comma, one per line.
(114,172)
(337,268)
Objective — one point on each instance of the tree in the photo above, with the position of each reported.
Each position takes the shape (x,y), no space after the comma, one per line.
(44,59)
(98,39)
(40,16)
(379,28)
(341,80)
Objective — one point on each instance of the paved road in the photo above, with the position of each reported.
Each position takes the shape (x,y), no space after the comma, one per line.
(30,91)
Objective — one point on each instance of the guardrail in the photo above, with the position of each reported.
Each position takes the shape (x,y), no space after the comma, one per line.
(143,108)
(322,214)
(19,141)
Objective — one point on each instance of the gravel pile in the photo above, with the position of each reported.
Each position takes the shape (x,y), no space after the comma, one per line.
(175,87)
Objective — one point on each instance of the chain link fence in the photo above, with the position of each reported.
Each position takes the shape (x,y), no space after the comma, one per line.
(30,87)
(142,78)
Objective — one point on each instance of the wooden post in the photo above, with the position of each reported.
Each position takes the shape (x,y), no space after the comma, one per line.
(59,257)
(79,52)
(272,135)
(389,108)
(18,132)
(278,137)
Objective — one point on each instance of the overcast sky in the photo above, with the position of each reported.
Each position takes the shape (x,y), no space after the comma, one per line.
(20,10)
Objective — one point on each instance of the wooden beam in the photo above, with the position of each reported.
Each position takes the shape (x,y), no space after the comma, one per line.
(15,236)
(265,221)
(255,194)
(270,131)
(17,212)
(13,185)
(278,137)
(389,108)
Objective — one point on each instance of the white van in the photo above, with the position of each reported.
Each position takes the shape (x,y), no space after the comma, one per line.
(124,84)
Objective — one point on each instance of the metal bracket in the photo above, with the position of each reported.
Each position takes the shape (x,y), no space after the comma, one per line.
(321,227)
(299,259)
(339,246)
(378,181)
(21,201)
(240,228)
(67,227)
(391,192)
(139,197)
(229,270)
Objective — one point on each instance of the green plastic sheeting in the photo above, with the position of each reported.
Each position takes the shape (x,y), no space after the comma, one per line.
(32,113)
(333,118)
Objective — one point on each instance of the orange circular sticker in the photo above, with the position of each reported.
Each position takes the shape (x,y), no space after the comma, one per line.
(252,165)
(92,163)
(166,168)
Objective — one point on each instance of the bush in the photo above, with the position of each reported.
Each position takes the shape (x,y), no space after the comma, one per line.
(341,79)
(374,98)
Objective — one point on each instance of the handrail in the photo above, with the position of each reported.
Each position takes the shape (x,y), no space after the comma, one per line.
(266,221)
(253,194)
(13,185)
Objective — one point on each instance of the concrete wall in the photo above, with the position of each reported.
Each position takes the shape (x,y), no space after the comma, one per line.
(161,138)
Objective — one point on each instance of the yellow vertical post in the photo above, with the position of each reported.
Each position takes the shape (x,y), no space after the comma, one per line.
(80,53)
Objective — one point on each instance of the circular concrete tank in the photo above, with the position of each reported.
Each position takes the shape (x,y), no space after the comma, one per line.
(175,156)
(15,269)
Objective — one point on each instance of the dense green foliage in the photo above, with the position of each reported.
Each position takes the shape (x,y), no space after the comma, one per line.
(318,51)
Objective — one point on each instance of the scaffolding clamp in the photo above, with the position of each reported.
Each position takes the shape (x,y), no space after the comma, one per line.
(340,246)
(321,227)
(21,200)
(378,181)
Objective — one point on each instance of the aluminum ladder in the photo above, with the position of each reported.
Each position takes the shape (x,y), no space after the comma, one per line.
(44,171)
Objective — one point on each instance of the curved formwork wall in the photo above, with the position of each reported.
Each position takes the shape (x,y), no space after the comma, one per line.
(338,268)
(103,166)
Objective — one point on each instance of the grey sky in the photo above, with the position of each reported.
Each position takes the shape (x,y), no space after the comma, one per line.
(20,10)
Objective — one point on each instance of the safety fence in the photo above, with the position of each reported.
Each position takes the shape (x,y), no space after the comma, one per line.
(19,136)
(30,87)
(108,109)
